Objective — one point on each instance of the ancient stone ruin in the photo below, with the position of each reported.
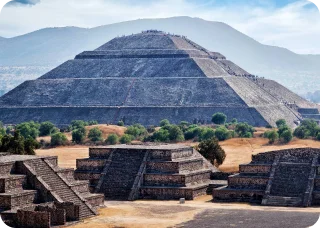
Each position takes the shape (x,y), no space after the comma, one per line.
(35,192)
(150,76)
(277,178)
(146,172)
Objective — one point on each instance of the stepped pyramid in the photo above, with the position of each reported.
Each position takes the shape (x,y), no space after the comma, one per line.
(147,77)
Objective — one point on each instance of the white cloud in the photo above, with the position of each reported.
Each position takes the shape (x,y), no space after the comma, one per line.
(294,26)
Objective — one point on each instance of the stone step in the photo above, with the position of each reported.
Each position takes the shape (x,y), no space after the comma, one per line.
(282,201)
(169,193)
(170,155)
(17,198)
(11,182)
(240,181)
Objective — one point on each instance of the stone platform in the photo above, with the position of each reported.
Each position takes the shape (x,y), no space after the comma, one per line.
(146,172)
(35,192)
(278,178)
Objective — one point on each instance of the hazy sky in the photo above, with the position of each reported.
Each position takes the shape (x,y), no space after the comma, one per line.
(294,24)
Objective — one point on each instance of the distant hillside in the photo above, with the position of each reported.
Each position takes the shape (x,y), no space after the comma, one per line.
(53,46)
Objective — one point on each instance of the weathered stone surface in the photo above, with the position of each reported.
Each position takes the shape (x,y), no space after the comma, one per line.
(147,77)
(278,178)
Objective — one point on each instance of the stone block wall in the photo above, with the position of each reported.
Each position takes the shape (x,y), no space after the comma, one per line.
(33,219)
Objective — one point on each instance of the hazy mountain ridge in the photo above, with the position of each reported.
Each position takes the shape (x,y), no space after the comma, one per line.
(53,46)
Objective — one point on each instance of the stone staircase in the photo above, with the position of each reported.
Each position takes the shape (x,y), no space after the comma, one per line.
(60,187)
(151,172)
(120,176)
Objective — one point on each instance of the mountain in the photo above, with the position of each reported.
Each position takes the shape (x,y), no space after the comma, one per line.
(53,46)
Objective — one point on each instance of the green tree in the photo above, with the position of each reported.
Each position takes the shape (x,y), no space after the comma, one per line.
(286,136)
(112,139)
(120,123)
(126,139)
(29,129)
(222,133)
(79,135)
(164,122)
(137,131)
(58,139)
(272,136)
(76,124)
(2,130)
(242,129)
(234,121)
(161,136)
(47,128)
(206,133)
(212,151)
(93,122)
(30,145)
(318,136)
(219,118)
(95,134)
(281,122)
(176,134)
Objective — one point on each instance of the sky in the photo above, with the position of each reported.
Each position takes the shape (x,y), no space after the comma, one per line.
(293,24)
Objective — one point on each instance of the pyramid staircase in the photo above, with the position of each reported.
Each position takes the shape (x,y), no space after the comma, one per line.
(278,178)
(149,172)
(36,186)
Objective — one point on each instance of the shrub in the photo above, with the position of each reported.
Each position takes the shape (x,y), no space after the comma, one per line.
(79,135)
(192,132)
(247,135)
(184,125)
(151,129)
(286,136)
(58,139)
(301,132)
(161,136)
(219,118)
(281,122)
(175,133)
(47,128)
(206,133)
(93,122)
(272,136)
(318,136)
(2,130)
(268,126)
(136,130)
(234,121)
(222,133)
(164,122)
(29,129)
(112,139)
(242,129)
(211,150)
(76,124)
(95,134)
(120,123)
(126,139)
(283,128)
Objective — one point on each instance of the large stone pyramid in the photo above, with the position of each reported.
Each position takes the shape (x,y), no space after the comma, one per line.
(150,76)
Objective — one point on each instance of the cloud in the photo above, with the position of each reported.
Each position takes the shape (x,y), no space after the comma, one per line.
(294,24)
(23,2)
(316,2)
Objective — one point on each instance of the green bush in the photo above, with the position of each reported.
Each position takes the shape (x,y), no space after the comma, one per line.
(318,136)
(222,133)
(2,130)
(58,139)
(234,121)
(76,124)
(286,136)
(164,122)
(272,136)
(95,134)
(120,123)
(283,128)
(29,129)
(161,136)
(137,131)
(93,122)
(112,139)
(175,133)
(206,133)
(281,122)
(247,135)
(192,132)
(47,128)
(79,135)
(126,139)
(211,150)
(301,132)
(219,118)
(242,129)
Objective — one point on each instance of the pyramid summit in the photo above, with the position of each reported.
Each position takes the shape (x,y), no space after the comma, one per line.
(150,76)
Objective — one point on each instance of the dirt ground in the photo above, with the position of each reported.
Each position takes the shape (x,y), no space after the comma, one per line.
(160,214)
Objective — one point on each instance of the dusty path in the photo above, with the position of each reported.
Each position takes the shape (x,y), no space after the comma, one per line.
(198,213)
